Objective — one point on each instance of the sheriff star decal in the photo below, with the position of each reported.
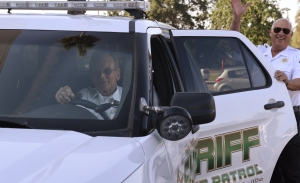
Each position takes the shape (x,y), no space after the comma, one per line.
(284,60)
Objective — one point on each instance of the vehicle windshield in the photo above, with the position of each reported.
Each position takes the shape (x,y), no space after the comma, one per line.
(66,80)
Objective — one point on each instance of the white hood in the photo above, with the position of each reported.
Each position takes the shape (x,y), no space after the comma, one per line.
(28,155)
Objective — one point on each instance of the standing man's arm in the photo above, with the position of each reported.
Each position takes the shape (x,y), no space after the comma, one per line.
(293,84)
(238,10)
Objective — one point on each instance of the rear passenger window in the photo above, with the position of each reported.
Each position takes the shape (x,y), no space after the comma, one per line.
(225,64)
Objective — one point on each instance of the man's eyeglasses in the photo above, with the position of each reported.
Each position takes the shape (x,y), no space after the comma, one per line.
(106,71)
(284,30)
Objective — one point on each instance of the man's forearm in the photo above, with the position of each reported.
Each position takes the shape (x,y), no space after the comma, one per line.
(293,84)
(236,23)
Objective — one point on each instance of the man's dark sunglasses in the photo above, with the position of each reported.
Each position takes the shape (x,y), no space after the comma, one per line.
(106,71)
(278,29)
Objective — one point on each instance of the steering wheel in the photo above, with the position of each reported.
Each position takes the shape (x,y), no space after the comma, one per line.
(100,109)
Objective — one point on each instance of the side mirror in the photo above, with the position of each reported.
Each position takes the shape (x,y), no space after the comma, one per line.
(201,106)
(173,123)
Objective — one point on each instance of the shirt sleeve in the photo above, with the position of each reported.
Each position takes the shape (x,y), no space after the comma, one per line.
(296,60)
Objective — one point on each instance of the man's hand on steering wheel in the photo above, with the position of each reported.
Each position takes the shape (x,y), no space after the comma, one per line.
(64,95)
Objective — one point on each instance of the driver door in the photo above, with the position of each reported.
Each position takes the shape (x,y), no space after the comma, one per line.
(245,140)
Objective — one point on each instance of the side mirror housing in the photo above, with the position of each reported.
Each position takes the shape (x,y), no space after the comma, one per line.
(201,106)
(175,123)
(186,112)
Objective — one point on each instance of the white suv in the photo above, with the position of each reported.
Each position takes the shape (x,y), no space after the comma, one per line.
(163,124)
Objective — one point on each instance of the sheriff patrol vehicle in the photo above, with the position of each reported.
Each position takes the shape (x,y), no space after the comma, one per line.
(168,123)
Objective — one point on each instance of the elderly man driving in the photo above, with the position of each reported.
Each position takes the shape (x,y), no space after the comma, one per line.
(105,73)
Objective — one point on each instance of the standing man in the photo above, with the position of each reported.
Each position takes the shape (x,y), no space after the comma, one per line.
(286,60)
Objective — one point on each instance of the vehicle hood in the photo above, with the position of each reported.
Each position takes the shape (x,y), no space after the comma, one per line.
(28,155)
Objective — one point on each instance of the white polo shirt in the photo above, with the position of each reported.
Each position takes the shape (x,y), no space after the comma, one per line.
(93,95)
(288,62)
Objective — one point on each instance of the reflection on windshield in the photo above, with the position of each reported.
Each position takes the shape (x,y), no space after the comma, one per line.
(65,75)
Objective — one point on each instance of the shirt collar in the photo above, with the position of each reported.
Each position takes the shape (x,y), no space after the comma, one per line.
(284,52)
(115,95)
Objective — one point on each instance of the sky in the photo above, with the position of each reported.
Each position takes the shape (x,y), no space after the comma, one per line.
(293,5)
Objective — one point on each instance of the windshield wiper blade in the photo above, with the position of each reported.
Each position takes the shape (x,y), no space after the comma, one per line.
(17,123)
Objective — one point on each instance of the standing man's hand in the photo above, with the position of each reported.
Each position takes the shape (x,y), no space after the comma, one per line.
(238,10)
(64,95)
(281,76)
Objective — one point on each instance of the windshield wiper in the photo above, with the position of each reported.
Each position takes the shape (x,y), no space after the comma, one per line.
(8,122)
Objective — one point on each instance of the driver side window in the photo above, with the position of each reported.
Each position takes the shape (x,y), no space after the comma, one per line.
(225,64)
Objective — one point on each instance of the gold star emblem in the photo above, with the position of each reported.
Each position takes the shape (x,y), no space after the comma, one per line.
(284,60)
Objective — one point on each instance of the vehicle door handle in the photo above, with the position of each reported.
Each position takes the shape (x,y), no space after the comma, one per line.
(278,104)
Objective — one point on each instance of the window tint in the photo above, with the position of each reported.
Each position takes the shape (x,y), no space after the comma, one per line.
(224,64)
(34,65)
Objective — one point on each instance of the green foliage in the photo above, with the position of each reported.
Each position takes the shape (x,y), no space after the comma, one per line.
(181,14)
(118,13)
(256,22)
(113,13)
(296,36)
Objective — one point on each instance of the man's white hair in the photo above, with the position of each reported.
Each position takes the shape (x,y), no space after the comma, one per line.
(282,19)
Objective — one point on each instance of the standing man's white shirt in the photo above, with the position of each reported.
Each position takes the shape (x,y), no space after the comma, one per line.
(286,61)
(93,95)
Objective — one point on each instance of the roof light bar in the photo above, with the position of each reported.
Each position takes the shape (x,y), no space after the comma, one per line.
(75,5)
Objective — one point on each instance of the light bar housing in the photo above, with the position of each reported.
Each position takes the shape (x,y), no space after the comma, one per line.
(75,5)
